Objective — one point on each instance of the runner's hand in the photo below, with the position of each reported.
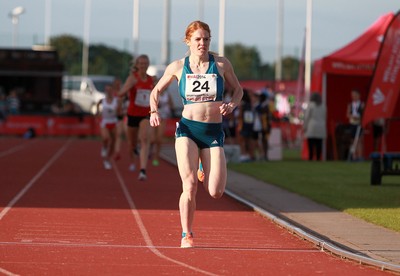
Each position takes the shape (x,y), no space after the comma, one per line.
(155,119)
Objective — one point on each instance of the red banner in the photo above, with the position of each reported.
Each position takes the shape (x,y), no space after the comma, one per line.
(385,87)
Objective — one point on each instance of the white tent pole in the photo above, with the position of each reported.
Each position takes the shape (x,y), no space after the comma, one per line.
(221,42)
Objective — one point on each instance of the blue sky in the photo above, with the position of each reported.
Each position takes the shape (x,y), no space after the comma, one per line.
(250,22)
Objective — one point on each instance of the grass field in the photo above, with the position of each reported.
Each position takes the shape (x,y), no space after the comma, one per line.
(341,185)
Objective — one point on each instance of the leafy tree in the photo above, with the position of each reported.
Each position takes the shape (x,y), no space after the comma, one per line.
(103,60)
(245,60)
(69,50)
(248,66)
(266,72)
(290,68)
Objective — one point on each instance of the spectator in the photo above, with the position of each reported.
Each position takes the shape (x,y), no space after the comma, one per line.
(264,116)
(13,103)
(246,126)
(67,108)
(229,122)
(315,126)
(165,110)
(354,113)
(3,106)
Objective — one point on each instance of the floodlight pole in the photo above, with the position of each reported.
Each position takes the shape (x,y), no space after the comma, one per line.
(307,57)
(14,14)
(86,33)
(47,22)
(279,41)
(201,10)
(165,49)
(221,42)
(15,20)
(135,28)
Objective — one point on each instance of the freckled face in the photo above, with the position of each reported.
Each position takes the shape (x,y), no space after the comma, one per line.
(199,42)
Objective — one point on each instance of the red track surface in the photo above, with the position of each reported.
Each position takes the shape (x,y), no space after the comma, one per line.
(63,214)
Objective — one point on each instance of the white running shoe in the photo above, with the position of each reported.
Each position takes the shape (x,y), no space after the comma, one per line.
(132,167)
(142,176)
(107,165)
(103,152)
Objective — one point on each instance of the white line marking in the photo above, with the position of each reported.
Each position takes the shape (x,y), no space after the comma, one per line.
(8,273)
(143,230)
(13,150)
(96,245)
(33,180)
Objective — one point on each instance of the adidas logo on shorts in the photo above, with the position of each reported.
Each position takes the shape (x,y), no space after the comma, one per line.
(215,142)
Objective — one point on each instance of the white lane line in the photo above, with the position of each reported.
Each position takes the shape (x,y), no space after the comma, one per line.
(14,149)
(130,246)
(6,272)
(143,229)
(33,180)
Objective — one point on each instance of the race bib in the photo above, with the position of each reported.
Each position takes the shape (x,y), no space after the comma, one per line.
(248,117)
(201,87)
(142,98)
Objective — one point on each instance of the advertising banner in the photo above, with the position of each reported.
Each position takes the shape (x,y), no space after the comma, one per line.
(385,86)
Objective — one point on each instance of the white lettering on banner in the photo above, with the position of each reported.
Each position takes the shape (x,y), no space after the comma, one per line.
(201,87)
(378,97)
(393,65)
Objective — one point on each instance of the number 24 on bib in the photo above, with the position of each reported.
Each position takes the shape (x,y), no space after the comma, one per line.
(201,87)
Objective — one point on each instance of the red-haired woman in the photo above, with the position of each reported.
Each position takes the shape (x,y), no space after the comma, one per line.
(199,133)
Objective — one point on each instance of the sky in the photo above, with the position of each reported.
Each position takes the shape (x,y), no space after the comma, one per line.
(252,23)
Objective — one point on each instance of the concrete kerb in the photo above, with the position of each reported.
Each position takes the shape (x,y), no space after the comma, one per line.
(303,232)
(322,244)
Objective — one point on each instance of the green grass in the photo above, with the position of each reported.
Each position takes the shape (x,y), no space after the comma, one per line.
(338,184)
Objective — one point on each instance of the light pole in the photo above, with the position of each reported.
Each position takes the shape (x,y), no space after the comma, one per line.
(86,36)
(307,70)
(279,41)
(47,22)
(201,10)
(221,35)
(165,47)
(135,28)
(14,14)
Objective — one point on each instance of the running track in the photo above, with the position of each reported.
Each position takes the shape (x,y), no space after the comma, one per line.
(61,213)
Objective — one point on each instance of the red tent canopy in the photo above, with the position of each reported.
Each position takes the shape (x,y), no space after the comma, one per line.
(356,58)
(350,67)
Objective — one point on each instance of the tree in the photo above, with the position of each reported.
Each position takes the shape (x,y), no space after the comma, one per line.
(245,60)
(103,60)
(69,50)
(108,61)
(290,68)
